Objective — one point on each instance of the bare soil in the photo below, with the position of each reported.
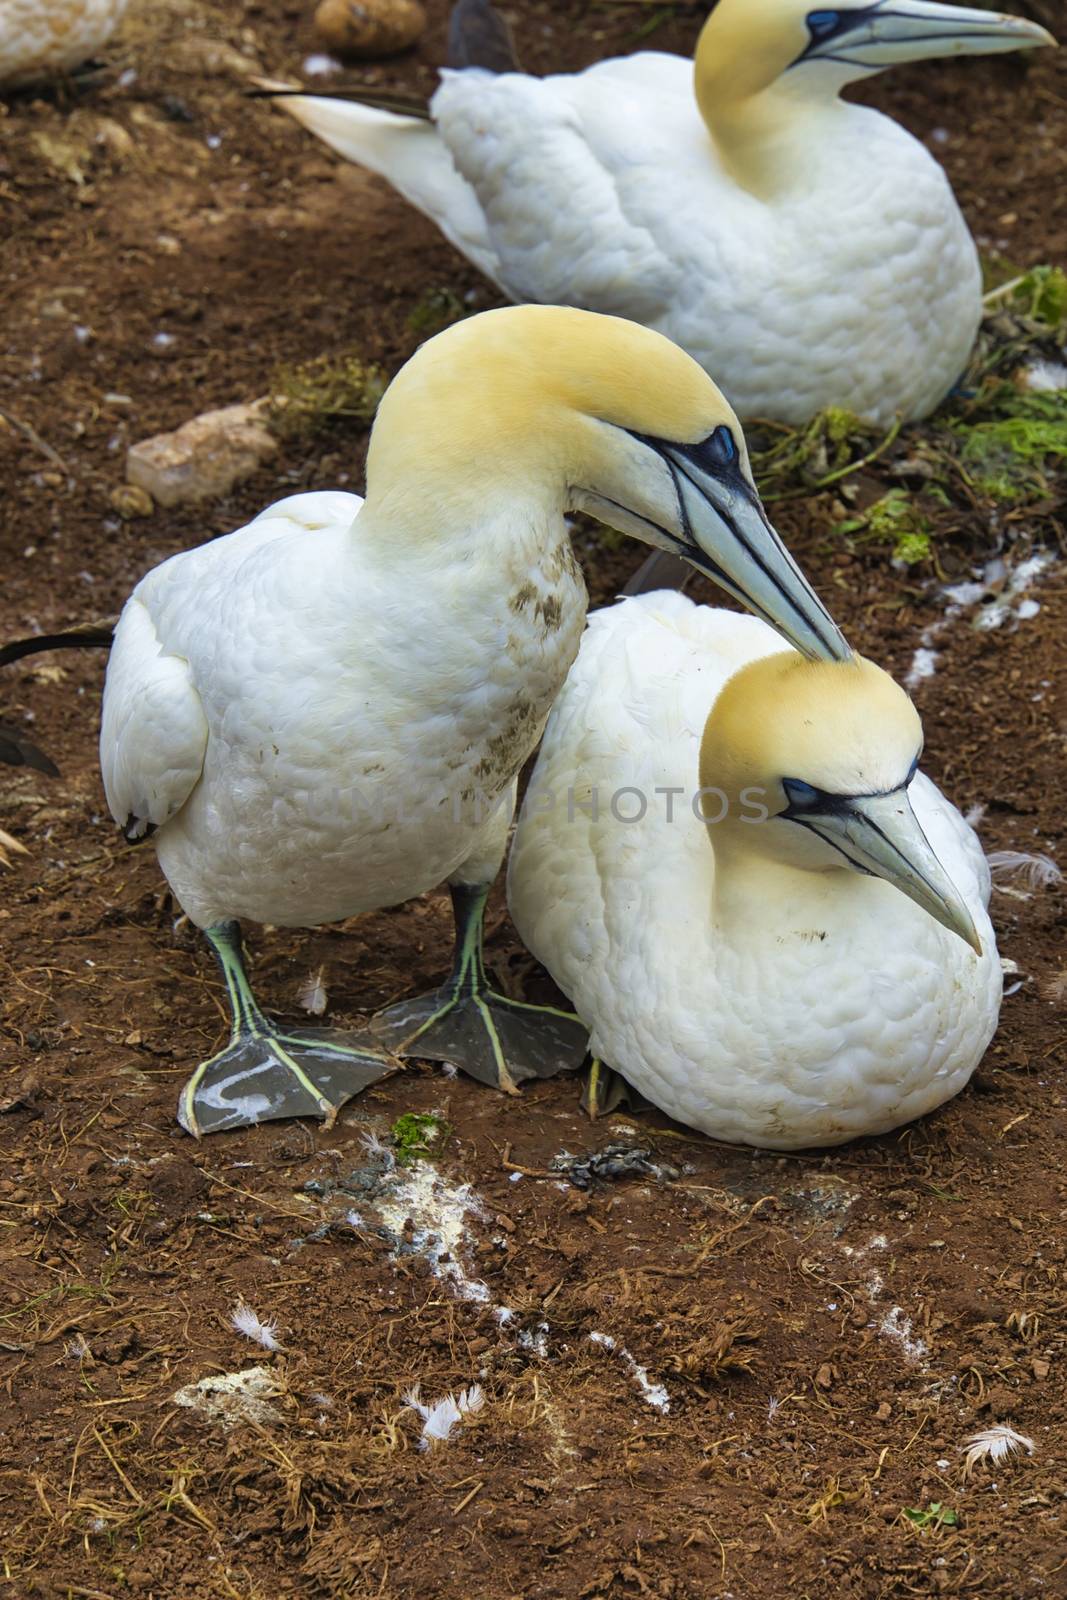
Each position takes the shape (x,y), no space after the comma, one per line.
(826,1330)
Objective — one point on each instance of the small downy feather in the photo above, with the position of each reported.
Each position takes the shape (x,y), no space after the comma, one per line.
(246,1321)
(995,1445)
(1032,872)
(441,1417)
(312,992)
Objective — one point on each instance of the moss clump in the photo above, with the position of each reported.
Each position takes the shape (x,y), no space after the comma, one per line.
(1040,294)
(894,520)
(794,461)
(437,310)
(935,1515)
(1018,435)
(311,396)
(416,1136)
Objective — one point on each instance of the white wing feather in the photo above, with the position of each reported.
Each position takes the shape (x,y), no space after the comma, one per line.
(412,156)
(153,732)
(631,714)
(564,217)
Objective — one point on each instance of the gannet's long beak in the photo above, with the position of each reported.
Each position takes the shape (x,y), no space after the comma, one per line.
(727,534)
(879,834)
(892,31)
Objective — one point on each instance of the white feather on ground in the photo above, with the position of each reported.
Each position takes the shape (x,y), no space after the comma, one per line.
(1032,872)
(246,1321)
(312,993)
(441,1417)
(995,1445)
(377,1149)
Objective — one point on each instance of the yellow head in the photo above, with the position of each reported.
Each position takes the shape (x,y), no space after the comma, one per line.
(812,49)
(809,763)
(548,408)
(843,727)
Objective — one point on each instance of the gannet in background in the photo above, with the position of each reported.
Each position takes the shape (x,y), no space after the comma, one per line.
(43,38)
(325,712)
(808,252)
(828,972)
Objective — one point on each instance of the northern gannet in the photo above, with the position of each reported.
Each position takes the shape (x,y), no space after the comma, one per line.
(828,972)
(325,712)
(807,251)
(44,38)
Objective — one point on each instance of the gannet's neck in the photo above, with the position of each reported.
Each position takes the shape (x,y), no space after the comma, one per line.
(770,125)
(754,896)
(448,510)
(772,141)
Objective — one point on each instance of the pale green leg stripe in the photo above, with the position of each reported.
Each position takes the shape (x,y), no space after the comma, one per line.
(247,1020)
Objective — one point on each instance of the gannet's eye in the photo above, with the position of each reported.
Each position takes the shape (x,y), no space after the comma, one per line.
(821,24)
(801,796)
(720,447)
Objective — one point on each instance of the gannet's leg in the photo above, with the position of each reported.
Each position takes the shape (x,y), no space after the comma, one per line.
(493,1039)
(499,1041)
(603,1090)
(266,1072)
(496,1040)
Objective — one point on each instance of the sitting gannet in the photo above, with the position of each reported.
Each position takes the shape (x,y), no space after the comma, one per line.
(43,38)
(808,252)
(772,924)
(325,712)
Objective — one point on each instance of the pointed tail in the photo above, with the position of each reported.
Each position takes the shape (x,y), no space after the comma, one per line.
(395,137)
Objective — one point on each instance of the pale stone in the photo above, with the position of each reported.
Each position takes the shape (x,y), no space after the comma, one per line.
(204,457)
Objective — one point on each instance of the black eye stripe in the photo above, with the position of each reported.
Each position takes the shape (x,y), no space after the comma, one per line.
(805,797)
(718,453)
(824,25)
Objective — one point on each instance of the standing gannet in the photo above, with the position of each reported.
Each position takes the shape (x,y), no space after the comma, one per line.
(43,38)
(772,924)
(808,252)
(325,712)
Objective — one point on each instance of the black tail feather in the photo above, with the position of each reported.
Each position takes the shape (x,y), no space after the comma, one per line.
(18,751)
(660,571)
(15,749)
(401,104)
(87,636)
(478,36)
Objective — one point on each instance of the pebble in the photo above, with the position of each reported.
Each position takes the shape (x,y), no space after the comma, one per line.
(130,501)
(204,457)
(369,27)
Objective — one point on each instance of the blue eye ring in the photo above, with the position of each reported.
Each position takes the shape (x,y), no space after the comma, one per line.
(721,445)
(821,24)
(801,796)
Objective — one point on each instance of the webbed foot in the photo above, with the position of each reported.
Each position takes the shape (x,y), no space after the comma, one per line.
(265,1072)
(498,1041)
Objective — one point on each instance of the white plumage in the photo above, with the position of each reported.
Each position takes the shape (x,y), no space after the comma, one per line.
(40,38)
(283,706)
(754,998)
(806,251)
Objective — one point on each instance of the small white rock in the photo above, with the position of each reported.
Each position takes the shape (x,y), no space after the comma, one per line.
(203,458)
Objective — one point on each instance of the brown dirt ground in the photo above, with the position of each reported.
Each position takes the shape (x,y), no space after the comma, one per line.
(829,1328)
